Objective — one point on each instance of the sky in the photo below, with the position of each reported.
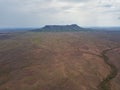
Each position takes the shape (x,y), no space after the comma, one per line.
(37,13)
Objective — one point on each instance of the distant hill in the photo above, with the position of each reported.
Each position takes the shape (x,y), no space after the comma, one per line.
(106,28)
(9,30)
(59,28)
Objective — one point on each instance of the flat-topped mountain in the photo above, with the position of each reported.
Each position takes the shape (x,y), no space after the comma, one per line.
(59,28)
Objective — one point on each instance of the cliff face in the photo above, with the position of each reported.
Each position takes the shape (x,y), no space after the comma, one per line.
(60,28)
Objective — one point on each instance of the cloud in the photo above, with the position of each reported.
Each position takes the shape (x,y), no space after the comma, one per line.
(74,0)
(41,12)
(107,6)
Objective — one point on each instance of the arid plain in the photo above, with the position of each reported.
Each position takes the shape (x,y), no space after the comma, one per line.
(84,60)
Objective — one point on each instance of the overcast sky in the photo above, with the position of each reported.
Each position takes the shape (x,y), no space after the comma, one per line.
(36,13)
